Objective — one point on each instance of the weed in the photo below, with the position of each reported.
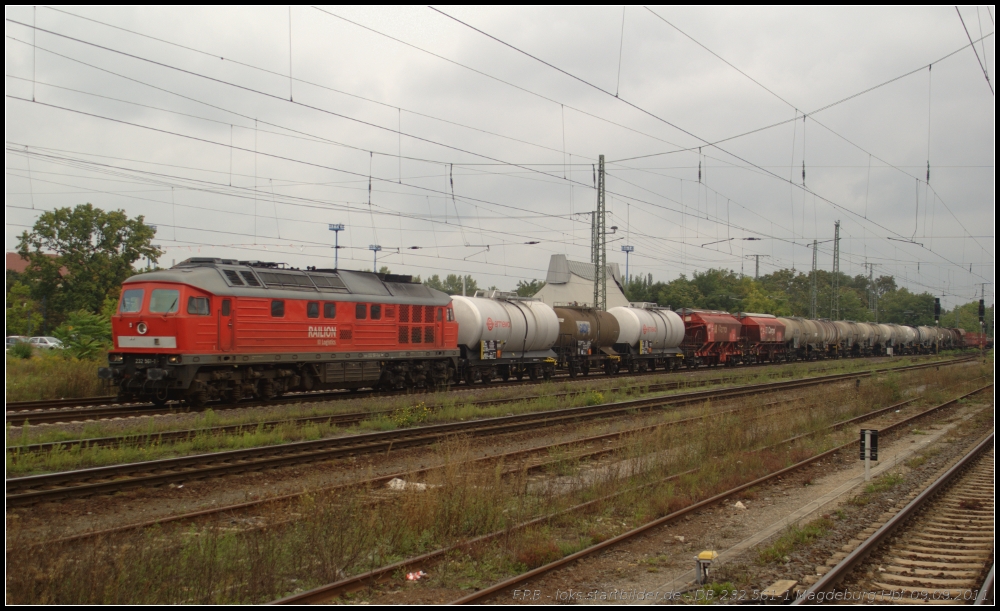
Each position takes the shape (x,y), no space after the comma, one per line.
(538,552)
(884,483)
(793,537)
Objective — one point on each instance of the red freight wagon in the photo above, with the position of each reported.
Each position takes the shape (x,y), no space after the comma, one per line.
(762,337)
(710,338)
(222,329)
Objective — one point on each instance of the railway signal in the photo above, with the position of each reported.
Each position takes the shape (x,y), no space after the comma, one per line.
(869,449)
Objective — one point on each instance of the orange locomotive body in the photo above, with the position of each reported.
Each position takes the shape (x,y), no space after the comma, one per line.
(221,329)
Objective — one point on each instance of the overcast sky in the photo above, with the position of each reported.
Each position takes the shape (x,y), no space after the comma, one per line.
(188,117)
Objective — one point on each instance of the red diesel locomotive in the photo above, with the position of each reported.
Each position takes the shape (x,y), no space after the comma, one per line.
(211,329)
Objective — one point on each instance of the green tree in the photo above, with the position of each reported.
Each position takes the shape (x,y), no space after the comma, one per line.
(24,314)
(679,293)
(529,288)
(94,253)
(452,284)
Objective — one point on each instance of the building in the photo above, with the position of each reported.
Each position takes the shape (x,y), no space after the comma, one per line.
(572,282)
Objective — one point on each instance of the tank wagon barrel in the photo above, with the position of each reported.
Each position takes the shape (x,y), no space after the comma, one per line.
(501,334)
(650,336)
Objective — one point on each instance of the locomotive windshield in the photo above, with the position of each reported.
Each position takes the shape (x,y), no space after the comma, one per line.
(131,300)
(164,301)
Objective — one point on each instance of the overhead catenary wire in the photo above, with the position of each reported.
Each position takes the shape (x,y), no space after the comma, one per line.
(397,134)
(973,45)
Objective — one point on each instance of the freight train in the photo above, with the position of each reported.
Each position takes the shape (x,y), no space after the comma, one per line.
(213,329)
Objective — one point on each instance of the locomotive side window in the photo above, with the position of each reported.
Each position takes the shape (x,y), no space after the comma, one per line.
(376,312)
(164,301)
(226,305)
(361,311)
(329,310)
(131,300)
(277,308)
(198,306)
(312,309)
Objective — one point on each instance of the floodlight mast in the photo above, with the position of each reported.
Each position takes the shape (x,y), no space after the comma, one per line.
(336,228)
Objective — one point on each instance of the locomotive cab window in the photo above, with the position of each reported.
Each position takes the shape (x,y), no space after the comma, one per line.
(439,314)
(198,306)
(312,309)
(361,311)
(329,310)
(164,301)
(376,312)
(277,308)
(451,315)
(131,300)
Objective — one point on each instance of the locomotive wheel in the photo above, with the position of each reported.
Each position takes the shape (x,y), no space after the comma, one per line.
(198,398)
(160,397)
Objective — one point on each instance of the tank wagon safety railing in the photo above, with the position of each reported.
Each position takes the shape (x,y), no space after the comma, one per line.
(830,580)
(101,480)
(328,592)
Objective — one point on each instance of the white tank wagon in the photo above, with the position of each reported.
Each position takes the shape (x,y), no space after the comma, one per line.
(828,337)
(501,334)
(649,336)
(848,338)
(926,337)
(803,338)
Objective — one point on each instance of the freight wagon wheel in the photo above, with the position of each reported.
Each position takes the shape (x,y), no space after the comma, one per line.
(631,366)
(505,373)
(533,373)
(572,370)
(547,373)
(519,374)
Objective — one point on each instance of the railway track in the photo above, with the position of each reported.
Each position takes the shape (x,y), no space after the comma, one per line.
(936,549)
(101,480)
(331,591)
(518,461)
(100,408)
(346,419)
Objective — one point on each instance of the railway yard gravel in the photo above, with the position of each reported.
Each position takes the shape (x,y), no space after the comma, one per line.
(663,560)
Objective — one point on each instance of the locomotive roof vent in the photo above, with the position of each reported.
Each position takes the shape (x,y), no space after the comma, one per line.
(205,262)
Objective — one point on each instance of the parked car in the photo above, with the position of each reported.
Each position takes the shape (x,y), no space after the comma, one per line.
(45,342)
(13,340)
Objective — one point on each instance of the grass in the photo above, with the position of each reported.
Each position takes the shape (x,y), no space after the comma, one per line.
(139,441)
(349,532)
(794,536)
(53,374)
(884,483)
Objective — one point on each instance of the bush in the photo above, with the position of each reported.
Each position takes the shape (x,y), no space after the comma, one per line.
(53,374)
(21,350)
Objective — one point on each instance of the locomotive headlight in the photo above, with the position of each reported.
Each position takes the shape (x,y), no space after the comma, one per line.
(141,328)
(174,358)
(115,358)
